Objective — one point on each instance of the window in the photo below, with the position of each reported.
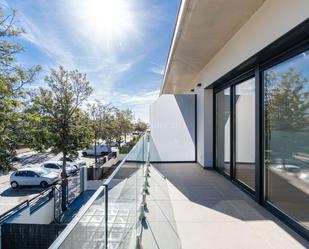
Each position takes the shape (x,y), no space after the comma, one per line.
(31,174)
(223,119)
(245,132)
(51,166)
(286,154)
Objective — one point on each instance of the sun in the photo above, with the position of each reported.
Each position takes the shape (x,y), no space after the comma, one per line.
(106,21)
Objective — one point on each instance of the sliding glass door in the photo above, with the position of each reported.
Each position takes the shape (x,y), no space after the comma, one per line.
(245,132)
(286,155)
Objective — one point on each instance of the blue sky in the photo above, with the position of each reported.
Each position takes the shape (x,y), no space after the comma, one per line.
(122,45)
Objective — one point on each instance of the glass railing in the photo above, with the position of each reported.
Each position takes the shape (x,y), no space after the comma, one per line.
(112,217)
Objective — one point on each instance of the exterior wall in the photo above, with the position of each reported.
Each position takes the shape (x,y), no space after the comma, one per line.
(200,120)
(204,126)
(270,22)
(172,125)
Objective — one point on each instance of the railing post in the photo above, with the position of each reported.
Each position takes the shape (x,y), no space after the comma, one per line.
(106,216)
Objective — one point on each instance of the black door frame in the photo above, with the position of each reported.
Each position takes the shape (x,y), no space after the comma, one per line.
(231,84)
(291,44)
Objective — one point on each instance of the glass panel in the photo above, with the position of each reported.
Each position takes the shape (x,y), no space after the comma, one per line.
(125,198)
(287,136)
(245,132)
(88,232)
(123,192)
(223,118)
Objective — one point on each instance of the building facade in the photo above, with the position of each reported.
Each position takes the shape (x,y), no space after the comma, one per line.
(235,98)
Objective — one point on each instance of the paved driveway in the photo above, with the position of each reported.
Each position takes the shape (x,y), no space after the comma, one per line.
(9,197)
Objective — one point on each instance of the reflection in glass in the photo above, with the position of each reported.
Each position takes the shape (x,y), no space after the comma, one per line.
(223,118)
(245,132)
(287,136)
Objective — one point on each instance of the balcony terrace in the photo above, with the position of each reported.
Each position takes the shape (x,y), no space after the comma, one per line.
(190,207)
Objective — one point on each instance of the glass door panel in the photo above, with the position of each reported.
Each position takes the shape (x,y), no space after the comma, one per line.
(245,132)
(286,155)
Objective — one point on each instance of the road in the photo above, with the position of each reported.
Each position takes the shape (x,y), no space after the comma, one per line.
(9,197)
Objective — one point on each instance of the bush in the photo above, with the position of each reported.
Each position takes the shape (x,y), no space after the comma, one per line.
(127,149)
(124,150)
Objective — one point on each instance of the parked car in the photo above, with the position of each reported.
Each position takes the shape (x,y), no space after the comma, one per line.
(114,144)
(102,149)
(33,177)
(289,168)
(304,175)
(56,166)
(76,161)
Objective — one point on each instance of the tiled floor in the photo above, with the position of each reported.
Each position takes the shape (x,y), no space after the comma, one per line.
(189,207)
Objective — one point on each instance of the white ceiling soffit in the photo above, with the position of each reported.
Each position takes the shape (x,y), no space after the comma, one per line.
(203,27)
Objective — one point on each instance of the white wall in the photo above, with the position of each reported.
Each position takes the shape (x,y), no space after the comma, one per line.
(172,125)
(270,22)
(44,215)
(200,127)
(204,106)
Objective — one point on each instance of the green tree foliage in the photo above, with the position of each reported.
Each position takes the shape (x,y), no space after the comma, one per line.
(100,122)
(57,121)
(287,104)
(123,124)
(140,126)
(13,79)
(60,124)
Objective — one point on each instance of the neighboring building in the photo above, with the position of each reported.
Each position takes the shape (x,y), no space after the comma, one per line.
(235,98)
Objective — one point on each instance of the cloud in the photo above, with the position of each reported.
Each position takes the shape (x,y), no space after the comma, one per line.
(157,69)
(139,99)
(138,102)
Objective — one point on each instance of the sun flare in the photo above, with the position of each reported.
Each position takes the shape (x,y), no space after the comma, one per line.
(107,21)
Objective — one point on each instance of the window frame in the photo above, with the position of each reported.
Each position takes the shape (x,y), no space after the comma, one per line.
(293,43)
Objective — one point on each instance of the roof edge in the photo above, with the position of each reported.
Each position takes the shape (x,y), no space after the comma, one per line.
(182,10)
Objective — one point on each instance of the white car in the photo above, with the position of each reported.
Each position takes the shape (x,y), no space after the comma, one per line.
(56,166)
(288,168)
(33,177)
(102,149)
(304,175)
(77,162)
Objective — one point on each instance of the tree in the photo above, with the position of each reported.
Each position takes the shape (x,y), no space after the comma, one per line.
(140,126)
(13,79)
(98,114)
(123,123)
(60,124)
(287,105)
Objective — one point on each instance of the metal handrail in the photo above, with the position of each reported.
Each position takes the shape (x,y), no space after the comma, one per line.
(40,194)
(65,233)
(108,180)
(35,204)
(13,211)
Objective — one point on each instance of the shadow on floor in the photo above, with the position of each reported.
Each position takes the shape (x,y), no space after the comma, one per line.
(213,191)
(21,191)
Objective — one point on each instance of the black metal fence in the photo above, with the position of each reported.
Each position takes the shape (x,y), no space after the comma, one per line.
(73,188)
(29,236)
(57,203)
(95,173)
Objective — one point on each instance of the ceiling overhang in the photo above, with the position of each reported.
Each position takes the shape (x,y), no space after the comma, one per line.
(203,27)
